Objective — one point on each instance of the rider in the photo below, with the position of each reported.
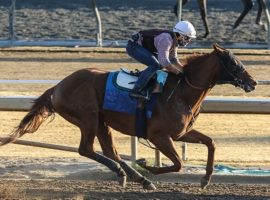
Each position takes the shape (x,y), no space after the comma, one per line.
(157,49)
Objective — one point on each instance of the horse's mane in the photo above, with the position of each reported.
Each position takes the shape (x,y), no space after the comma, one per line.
(194,59)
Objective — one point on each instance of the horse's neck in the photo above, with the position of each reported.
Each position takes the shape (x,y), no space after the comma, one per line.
(199,80)
(202,71)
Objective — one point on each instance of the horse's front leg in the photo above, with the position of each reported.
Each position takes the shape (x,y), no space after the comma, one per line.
(194,136)
(166,146)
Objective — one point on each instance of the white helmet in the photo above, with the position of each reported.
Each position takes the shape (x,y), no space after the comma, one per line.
(185,28)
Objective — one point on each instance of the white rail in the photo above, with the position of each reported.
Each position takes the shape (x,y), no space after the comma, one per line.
(210,104)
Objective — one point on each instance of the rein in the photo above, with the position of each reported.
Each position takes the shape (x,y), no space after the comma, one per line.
(236,81)
(189,84)
(193,86)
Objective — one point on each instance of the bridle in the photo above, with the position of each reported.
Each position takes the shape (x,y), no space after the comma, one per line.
(237,82)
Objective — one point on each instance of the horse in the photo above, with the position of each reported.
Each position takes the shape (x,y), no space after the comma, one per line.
(248,4)
(78,98)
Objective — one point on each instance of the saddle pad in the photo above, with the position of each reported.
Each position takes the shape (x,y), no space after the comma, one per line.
(117,98)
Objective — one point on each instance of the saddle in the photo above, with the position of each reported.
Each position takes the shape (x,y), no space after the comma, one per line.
(126,79)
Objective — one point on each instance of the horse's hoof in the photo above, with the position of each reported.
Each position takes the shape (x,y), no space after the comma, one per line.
(141,162)
(122,180)
(204,183)
(149,186)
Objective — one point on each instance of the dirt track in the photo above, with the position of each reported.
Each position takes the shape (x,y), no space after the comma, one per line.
(63,189)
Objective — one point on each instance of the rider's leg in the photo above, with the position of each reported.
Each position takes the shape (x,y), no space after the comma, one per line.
(144,56)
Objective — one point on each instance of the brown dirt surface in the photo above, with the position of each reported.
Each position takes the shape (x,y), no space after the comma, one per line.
(73,189)
(35,173)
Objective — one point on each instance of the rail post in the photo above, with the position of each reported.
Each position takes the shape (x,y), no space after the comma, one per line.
(266,11)
(12,35)
(99,27)
(179,10)
(134,149)
(184,151)
(158,158)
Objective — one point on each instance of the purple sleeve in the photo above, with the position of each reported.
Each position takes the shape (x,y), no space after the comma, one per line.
(163,43)
(173,55)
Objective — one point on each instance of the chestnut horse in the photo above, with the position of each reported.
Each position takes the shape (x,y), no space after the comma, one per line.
(248,4)
(79,98)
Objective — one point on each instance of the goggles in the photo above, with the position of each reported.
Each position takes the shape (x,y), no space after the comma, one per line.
(182,40)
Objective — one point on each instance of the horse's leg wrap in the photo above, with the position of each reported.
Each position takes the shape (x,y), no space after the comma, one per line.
(131,173)
(114,166)
(136,176)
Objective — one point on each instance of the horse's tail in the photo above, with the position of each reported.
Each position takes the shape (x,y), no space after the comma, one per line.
(41,109)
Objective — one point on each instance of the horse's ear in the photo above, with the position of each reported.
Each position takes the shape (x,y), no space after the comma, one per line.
(218,48)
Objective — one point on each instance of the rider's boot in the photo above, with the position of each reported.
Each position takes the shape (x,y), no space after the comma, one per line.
(139,91)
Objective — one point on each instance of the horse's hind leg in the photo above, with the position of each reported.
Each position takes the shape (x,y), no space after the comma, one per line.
(80,107)
(106,141)
(194,136)
(88,133)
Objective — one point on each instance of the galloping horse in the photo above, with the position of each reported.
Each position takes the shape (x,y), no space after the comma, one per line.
(248,4)
(79,98)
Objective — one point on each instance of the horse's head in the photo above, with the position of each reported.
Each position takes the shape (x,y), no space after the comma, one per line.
(233,71)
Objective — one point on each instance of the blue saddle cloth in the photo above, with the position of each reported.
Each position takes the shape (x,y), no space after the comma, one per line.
(117,98)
